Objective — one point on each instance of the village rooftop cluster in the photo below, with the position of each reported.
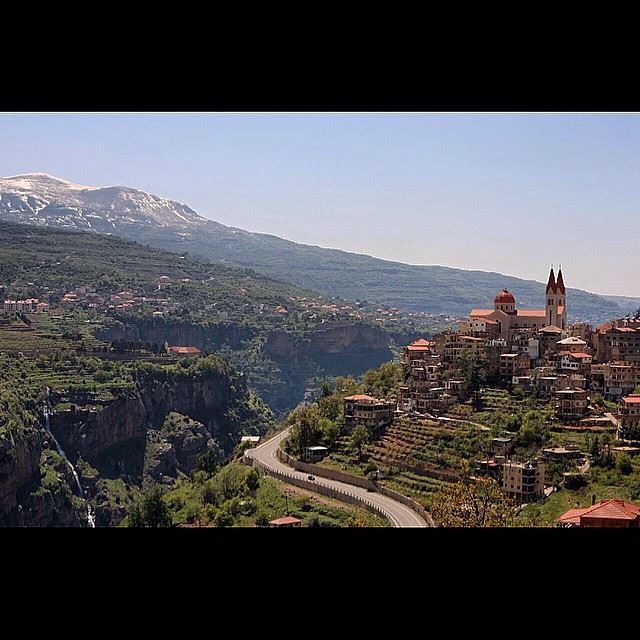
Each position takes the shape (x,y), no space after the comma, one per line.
(535,352)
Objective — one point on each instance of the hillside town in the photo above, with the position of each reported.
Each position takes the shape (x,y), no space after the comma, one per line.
(591,377)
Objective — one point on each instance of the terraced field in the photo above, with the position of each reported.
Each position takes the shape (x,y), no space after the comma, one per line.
(48,334)
(427,448)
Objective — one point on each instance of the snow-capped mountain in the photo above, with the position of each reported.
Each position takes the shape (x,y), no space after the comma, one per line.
(39,198)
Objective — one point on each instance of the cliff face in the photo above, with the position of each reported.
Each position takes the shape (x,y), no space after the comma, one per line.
(329,350)
(19,467)
(330,345)
(206,337)
(173,451)
(87,433)
(128,445)
(90,433)
(24,500)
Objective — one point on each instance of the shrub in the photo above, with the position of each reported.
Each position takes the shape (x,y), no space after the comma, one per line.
(623,464)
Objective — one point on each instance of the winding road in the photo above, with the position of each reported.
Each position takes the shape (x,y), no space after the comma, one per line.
(398,514)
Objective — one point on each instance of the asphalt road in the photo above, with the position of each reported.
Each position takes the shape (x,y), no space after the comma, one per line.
(399,514)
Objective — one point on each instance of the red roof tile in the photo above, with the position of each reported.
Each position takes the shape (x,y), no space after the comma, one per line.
(285,520)
(617,509)
(184,350)
(481,312)
(571,517)
(551,329)
(605,509)
(632,399)
(532,312)
(504,297)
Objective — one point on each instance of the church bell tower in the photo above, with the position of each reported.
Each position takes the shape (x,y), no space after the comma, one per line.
(555,308)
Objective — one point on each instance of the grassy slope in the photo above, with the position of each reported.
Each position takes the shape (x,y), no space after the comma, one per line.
(67,259)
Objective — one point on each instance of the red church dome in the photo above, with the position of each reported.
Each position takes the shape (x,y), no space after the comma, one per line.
(504,297)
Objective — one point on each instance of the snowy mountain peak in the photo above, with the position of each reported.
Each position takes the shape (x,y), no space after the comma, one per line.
(40,198)
(37,180)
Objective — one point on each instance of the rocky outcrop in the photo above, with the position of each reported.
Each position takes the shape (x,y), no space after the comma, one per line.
(174,450)
(339,348)
(89,433)
(27,501)
(19,468)
(207,337)
(331,349)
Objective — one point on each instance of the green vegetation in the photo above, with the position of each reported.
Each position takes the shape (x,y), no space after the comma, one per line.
(319,423)
(150,511)
(238,496)
(472,504)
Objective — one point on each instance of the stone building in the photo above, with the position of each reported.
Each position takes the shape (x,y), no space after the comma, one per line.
(619,343)
(571,404)
(629,417)
(615,379)
(373,413)
(523,481)
(509,318)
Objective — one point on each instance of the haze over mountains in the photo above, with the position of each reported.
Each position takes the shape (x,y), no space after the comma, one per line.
(42,199)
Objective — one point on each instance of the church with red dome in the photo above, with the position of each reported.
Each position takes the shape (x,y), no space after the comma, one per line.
(505,317)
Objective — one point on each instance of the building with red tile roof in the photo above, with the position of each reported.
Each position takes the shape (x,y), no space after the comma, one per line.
(604,514)
(184,351)
(373,413)
(286,521)
(509,318)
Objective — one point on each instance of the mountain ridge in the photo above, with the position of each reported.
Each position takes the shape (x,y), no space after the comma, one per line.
(42,199)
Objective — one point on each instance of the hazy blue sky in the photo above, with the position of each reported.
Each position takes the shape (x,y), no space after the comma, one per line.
(498,192)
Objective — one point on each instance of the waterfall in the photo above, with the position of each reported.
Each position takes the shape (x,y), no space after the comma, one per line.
(47,426)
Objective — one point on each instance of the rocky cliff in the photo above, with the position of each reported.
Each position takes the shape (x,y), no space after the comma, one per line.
(206,398)
(207,337)
(173,451)
(36,484)
(333,349)
(294,360)
(153,432)
(19,466)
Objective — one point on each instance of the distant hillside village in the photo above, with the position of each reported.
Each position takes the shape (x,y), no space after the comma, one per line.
(166,300)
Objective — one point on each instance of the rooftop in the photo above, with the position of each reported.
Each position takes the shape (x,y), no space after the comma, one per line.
(551,329)
(572,340)
(536,313)
(184,350)
(480,312)
(278,522)
(605,509)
